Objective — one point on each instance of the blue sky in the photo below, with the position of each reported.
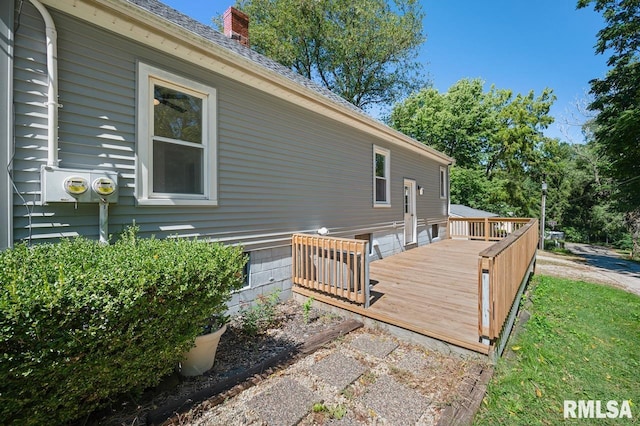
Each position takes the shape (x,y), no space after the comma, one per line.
(513,44)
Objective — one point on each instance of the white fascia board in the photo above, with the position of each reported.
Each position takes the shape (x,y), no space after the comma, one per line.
(138,24)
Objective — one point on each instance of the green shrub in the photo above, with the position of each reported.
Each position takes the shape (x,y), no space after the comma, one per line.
(554,245)
(82,322)
(258,317)
(574,235)
(625,242)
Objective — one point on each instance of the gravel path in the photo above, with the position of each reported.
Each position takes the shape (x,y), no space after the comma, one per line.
(366,378)
(593,264)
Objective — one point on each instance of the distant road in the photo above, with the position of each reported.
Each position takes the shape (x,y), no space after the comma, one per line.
(592,263)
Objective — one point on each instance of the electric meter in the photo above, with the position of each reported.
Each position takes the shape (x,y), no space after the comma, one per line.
(104,186)
(75,185)
(62,185)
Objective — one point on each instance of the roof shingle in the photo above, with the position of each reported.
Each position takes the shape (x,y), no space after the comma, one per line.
(209,33)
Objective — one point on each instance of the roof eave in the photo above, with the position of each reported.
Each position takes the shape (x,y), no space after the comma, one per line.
(145,26)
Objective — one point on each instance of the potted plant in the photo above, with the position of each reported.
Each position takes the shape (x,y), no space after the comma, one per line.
(201,356)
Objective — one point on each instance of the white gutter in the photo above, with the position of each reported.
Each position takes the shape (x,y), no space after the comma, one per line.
(52,92)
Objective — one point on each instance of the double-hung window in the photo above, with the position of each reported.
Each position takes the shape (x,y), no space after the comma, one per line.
(176,140)
(381,177)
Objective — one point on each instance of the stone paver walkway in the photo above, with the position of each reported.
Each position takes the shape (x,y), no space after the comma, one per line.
(366,377)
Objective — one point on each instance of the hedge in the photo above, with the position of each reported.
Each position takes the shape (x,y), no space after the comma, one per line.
(82,322)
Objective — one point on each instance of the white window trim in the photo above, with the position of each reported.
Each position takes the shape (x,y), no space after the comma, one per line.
(387,172)
(147,76)
(443,178)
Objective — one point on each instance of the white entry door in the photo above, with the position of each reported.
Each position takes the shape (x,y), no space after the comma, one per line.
(410,220)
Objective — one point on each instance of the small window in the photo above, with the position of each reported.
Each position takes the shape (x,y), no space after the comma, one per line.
(435,231)
(176,139)
(246,270)
(443,182)
(381,177)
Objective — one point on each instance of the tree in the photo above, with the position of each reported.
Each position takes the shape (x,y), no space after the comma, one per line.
(457,122)
(473,188)
(617,101)
(494,134)
(362,50)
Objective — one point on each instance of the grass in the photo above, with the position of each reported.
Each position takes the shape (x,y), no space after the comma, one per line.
(582,342)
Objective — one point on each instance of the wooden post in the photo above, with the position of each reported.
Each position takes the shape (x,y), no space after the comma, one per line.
(484,294)
(486,229)
(366,290)
(486,304)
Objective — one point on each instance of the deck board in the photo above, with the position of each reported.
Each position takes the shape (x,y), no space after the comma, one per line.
(434,287)
(431,290)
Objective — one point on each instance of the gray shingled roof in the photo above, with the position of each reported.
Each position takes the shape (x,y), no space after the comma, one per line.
(210,34)
(466,211)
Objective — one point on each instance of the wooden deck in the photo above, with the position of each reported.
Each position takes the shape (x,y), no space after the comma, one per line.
(431,290)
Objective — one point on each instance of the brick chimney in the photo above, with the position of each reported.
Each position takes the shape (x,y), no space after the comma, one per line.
(236,25)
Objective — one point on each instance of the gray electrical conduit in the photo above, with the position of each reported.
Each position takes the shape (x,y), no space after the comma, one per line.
(52,89)
(53,105)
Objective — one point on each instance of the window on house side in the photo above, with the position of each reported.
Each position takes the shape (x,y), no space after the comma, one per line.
(176,140)
(443,182)
(246,270)
(381,177)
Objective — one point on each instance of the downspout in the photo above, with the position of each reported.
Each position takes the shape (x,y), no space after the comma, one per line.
(52,91)
(7,41)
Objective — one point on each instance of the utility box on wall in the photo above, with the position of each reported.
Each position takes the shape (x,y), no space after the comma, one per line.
(78,185)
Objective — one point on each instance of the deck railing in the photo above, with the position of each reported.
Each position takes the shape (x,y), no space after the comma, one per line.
(335,266)
(503,270)
(484,228)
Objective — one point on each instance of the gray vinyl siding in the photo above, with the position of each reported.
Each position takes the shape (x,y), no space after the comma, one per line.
(281,168)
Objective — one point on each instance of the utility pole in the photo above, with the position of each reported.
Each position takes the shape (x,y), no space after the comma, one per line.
(544,202)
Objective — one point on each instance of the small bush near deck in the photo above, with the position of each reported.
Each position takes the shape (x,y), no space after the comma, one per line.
(82,322)
(261,315)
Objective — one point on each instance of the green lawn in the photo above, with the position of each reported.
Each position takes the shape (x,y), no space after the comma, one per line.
(581,343)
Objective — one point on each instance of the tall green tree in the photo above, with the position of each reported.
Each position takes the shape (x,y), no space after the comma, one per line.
(588,214)
(363,50)
(495,136)
(617,101)
(457,122)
